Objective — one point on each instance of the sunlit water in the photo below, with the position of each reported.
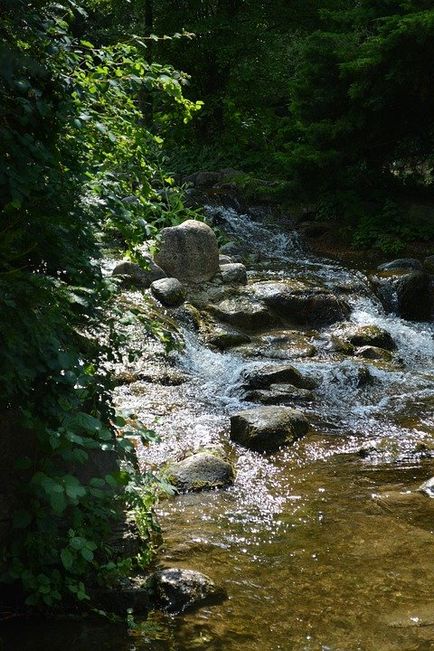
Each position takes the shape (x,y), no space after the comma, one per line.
(321,546)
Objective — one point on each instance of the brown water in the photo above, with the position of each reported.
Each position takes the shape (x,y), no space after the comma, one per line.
(325,546)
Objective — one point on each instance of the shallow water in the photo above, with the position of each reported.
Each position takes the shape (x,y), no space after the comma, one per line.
(326,545)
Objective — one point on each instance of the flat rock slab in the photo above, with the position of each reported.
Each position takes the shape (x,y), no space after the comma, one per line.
(266,429)
(189,252)
(177,590)
(301,303)
(279,394)
(243,312)
(201,471)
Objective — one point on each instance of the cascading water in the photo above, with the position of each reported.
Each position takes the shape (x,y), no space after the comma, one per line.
(324,545)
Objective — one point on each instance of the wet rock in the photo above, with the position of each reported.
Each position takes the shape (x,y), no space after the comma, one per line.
(373,352)
(189,252)
(427,488)
(401,263)
(224,338)
(340,345)
(371,335)
(279,345)
(263,377)
(428,264)
(178,590)
(134,275)
(201,471)
(279,394)
(169,291)
(234,273)
(405,292)
(302,304)
(414,296)
(225,259)
(243,312)
(266,429)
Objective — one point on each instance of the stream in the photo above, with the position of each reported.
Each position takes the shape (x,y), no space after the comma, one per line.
(321,546)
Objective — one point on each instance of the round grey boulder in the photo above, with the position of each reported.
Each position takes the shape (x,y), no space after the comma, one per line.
(266,429)
(135,275)
(234,273)
(169,291)
(200,471)
(189,252)
(177,590)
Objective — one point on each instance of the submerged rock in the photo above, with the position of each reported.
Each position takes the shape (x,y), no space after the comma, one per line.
(401,263)
(137,276)
(234,273)
(169,291)
(201,471)
(428,488)
(263,377)
(371,335)
(189,252)
(266,429)
(178,590)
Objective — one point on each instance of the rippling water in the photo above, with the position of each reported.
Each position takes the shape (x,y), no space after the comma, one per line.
(321,546)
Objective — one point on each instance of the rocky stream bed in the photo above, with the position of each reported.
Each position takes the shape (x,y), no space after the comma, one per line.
(297,425)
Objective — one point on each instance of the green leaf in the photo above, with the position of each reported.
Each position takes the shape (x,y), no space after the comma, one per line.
(67,558)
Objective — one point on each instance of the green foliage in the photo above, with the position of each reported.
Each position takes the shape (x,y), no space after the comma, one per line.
(77,162)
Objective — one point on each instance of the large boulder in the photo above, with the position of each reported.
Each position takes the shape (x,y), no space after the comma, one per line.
(189,252)
(200,471)
(262,377)
(169,291)
(301,303)
(177,590)
(134,275)
(266,429)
